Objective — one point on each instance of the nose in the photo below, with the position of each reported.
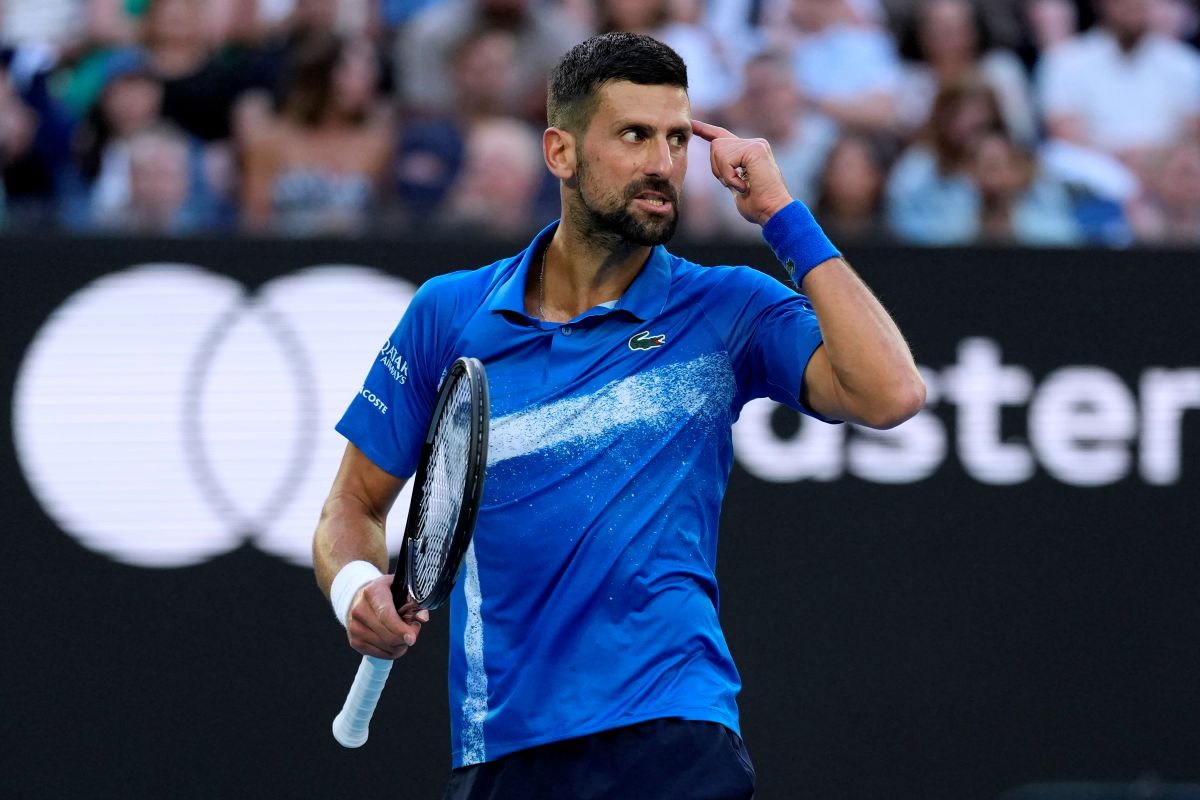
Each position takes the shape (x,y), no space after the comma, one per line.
(659,160)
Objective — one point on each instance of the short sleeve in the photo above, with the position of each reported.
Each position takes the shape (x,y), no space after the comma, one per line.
(771,334)
(782,345)
(387,419)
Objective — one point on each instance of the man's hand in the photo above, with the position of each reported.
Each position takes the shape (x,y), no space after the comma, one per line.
(748,169)
(375,628)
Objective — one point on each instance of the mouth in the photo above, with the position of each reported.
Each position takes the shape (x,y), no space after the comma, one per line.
(656,203)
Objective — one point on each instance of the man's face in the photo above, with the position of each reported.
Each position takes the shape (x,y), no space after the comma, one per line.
(1128,19)
(505,14)
(630,162)
(814,16)
(771,98)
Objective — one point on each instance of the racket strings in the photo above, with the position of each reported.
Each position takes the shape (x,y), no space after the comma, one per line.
(441,502)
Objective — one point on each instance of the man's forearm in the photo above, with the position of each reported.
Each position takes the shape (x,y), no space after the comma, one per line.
(875,380)
(864,373)
(348,531)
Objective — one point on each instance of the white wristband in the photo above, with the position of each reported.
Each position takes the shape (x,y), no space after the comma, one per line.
(349,580)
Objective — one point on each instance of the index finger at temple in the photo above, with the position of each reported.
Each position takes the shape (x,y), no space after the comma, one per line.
(708,132)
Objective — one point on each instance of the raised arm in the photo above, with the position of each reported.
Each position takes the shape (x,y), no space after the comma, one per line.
(351,560)
(864,372)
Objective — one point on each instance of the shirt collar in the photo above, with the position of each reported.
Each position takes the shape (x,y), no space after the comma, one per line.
(511,294)
(645,298)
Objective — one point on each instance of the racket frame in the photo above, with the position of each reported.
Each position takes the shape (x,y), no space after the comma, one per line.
(402,584)
(351,725)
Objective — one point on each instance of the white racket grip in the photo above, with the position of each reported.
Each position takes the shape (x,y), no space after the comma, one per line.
(351,723)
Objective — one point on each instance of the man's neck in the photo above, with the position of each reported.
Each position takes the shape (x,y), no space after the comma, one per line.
(1127,41)
(582,270)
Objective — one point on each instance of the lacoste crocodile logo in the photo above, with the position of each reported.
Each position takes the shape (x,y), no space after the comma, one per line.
(644,341)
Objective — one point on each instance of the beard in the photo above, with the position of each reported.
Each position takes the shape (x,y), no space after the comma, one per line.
(607,218)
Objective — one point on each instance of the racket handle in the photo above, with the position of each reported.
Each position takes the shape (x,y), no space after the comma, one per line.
(350,725)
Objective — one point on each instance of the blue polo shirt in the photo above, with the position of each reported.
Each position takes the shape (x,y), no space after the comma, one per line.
(588,599)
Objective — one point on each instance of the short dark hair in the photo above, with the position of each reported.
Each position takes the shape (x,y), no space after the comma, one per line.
(308,82)
(618,56)
(912,49)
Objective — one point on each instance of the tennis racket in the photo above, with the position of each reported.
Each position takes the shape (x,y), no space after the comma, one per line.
(441,518)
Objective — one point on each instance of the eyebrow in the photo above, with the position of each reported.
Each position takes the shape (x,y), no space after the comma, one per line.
(622,125)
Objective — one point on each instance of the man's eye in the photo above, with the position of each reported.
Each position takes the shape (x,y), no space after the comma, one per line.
(632,136)
(678,140)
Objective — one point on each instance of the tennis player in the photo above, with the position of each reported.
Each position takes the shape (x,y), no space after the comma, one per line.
(586,656)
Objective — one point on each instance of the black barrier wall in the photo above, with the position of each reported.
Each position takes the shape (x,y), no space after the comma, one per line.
(1003,591)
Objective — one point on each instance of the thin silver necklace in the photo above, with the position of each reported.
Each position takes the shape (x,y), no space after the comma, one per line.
(542,285)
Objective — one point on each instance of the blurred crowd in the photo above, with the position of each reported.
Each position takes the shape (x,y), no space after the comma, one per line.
(1037,122)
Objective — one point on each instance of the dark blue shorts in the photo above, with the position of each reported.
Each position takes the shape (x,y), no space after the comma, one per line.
(661,759)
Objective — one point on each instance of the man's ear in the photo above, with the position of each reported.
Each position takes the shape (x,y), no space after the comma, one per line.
(558,148)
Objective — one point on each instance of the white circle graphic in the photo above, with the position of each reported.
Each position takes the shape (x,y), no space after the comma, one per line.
(163,415)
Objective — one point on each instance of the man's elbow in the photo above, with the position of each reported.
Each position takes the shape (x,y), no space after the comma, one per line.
(897,403)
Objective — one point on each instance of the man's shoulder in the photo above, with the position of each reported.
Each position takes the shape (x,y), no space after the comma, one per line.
(1083,50)
(470,287)
(1169,52)
(721,284)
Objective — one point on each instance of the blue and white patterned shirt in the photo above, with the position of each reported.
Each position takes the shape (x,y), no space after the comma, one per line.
(588,599)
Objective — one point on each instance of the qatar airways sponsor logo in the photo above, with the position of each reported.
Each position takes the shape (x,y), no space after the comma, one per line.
(393,362)
(1081,424)
(164,414)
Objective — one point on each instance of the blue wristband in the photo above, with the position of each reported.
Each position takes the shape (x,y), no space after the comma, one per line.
(797,240)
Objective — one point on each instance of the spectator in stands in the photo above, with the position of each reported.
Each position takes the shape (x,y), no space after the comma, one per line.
(160,187)
(1046,24)
(635,16)
(96,28)
(1017,203)
(711,68)
(718,56)
(945,42)
(931,181)
(18,124)
(738,19)
(1169,211)
(58,26)
(300,19)
(486,75)
(395,14)
(200,81)
(1176,19)
(100,188)
(431,150)
(35,141)
(847,68)
(130,102)
(110,25)
(426,47)
(495,194)
(1121,88)
(771,106)
(971,181)
(850,191)
(319,167)
(291,24)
